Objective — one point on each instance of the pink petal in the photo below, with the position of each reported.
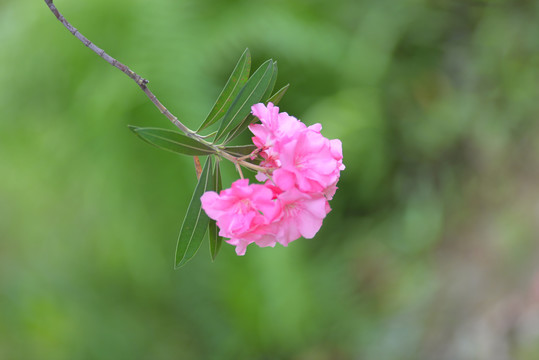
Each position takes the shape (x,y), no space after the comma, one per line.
(208,200)
(284,179)
(241,248)
(336,148)
(308,224)
(316,206)
(288,232)
(266,240)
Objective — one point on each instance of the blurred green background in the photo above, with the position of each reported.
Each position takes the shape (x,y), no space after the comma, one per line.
(431,250)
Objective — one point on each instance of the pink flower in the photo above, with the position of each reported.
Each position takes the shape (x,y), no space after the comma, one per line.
(300,156)
(302,171)
(309,162)
(275,129)
(302,215)
(243,213)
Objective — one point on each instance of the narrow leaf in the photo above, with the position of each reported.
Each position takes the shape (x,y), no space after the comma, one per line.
(172,141)
(213,230)
(235,82)
(196,221)
(275,99)
(250,94)
(241,150)
(250,119)
(269,90)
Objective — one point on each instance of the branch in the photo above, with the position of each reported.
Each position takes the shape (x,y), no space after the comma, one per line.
(140,81)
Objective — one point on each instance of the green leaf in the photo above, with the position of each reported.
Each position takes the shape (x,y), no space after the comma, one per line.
(241,150)
(276,98)
(172,141)
(269,90)
(250,119)
(196,221)
(213,230)
(235,82)
(250,94)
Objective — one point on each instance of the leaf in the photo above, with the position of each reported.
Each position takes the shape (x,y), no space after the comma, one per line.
(196,221)
(213,230)
(241,150)
(235,82)
(250,94)
(240,128)
(269,90)
(172,141)
(275,99)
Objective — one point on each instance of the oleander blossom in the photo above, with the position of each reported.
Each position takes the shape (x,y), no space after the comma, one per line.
(302,171)
(243,213)
(275,129)
(301,215)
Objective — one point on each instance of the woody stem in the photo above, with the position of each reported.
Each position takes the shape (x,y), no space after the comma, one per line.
(139,80)
(142,83)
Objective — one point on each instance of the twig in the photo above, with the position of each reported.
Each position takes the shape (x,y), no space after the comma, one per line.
(140,81)
(238,168)
(252,155)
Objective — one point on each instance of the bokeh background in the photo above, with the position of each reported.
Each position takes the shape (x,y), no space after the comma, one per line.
(431,250)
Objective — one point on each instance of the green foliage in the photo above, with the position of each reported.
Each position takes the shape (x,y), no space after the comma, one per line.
(271,86)
(240,150)
(172,141)
(213,230)
(251,93)
(276,98)
(235,83)
(240,93)
(196,221)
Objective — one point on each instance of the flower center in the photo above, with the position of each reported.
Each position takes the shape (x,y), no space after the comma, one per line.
(243,206)
(299,162)
(291,210)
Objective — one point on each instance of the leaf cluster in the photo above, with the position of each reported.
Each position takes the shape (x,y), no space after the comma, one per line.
(229,117)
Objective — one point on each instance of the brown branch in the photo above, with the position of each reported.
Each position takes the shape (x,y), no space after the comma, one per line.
(141,82)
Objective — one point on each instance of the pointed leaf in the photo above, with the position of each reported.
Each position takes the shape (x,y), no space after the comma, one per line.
(250,119)
(276,98)
(215,239)
(269,90)
(196,221)
(235,82)
(249,95)
(172,141)
(213,230)
(241,150)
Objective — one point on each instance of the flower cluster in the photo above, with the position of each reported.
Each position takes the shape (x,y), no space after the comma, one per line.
(301,171)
